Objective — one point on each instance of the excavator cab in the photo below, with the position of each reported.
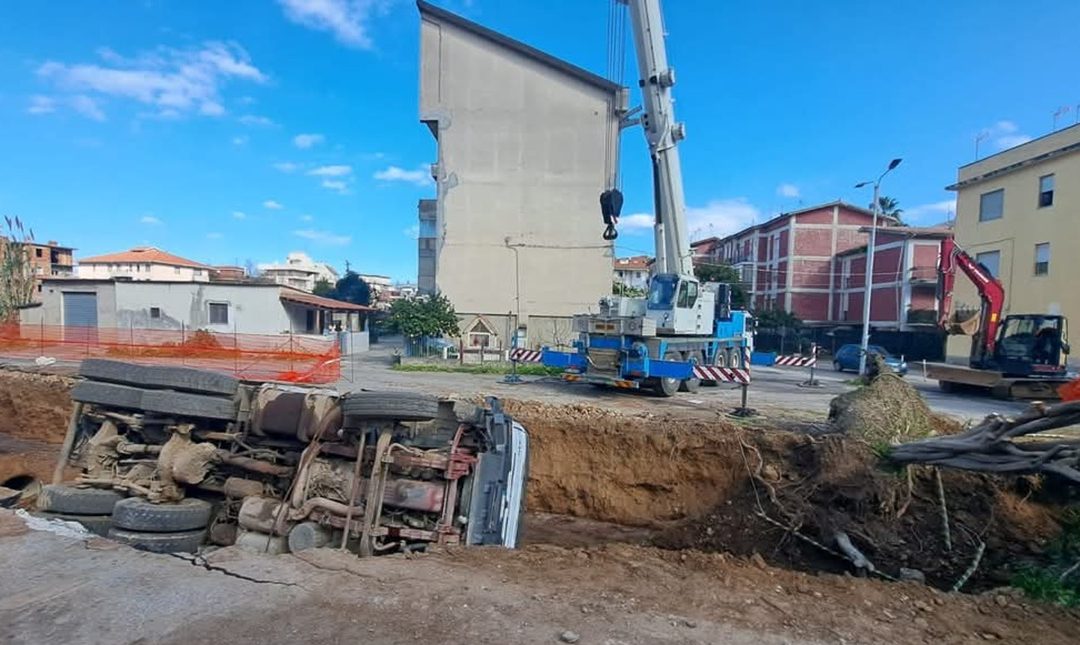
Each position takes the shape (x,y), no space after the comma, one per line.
(1032,345)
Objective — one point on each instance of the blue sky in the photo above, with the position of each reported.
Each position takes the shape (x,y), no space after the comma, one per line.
(238,131)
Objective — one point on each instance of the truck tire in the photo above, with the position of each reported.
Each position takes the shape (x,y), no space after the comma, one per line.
(667,387)
(179,542)
(186,404)
(58,498)
(184,379)
(138,514)
(107,394)
(396,406)
(692,384)
(96,524)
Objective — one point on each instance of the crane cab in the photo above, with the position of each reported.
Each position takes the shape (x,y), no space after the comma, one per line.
(681,305)
(1032,345)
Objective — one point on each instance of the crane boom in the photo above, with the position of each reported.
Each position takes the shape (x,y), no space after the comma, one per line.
(662,132)
(991,293)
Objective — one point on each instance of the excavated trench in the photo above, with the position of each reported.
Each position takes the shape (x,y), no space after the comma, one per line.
(599,476)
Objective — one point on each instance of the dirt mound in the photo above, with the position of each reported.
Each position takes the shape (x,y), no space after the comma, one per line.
(716,486)
(34,406)
(885,411)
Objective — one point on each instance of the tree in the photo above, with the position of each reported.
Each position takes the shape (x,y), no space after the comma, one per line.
(620,289)
(352,288)
(324,288)
(779,322)
(724,274)
(16,268)
(429,316)
(890,207)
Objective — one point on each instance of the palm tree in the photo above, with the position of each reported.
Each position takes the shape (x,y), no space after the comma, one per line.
(890,207)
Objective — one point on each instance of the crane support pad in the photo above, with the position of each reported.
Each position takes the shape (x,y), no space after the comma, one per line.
(522,355)
(795,360)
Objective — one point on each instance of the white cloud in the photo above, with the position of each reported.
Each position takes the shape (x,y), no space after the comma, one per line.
(41,105)
(331,171)
(286,166)
(87,107)
(931,213)
(413,232)
(347,20)
(175,82)
(149,220)
(719,217)
(239,215)
(1004,135)
(788,190)
(214,236)
(256,120)
(306,218)
(323,237)
(336,185)
(421,176)
(240,140)
(305,141)
(272,205)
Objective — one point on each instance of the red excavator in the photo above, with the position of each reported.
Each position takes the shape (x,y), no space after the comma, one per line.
(1021,356)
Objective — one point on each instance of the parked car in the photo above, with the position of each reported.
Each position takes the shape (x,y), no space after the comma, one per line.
(171,458)
(847,358)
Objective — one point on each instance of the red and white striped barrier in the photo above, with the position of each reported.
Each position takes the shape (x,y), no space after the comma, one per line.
(795,360)
(522,355)
(723,374)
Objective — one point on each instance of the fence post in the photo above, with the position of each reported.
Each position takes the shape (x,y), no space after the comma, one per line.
(183,341)
(131,339)
(41,336)
(236,349)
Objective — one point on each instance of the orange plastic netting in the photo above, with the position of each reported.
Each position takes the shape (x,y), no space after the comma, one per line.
(285,357)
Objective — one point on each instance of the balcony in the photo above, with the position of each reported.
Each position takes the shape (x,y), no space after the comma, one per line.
(923,275)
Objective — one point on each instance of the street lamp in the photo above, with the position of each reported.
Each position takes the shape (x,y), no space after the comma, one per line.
(869,270)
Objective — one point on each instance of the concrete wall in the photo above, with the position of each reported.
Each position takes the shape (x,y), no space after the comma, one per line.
(523,152)
(1023,225)
(142,271)
(51,311)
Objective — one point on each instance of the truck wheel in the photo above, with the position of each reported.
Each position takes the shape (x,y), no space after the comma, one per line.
(115,396)
(179,542)
(392,406)
(667,387)
(57,498)
(692,384)
(138,514)
(188,405)
(96,524)
(186,379)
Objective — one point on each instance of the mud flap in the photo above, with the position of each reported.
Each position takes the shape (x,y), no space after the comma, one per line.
(498,488)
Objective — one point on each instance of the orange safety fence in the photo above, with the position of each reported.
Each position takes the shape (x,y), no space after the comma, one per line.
(256,357)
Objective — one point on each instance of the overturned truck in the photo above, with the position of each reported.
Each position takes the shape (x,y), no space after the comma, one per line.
(170,459)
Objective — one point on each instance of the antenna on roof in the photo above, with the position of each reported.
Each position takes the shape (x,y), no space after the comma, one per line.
(979,138)
(1058,112)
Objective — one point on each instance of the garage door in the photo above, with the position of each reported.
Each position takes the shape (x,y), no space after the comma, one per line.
(80,310)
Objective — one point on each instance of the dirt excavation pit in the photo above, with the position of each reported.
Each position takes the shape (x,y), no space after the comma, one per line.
(710,485)
(771,495)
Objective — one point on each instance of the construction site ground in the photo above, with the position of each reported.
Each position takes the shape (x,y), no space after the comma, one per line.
(648,521)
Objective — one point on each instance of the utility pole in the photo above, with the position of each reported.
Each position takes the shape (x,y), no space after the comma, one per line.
(869,269)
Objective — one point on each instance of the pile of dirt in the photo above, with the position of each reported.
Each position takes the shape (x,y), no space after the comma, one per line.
(34,406)
(720,487)
(885,411)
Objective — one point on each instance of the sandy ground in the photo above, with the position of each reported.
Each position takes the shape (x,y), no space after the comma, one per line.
(64,590)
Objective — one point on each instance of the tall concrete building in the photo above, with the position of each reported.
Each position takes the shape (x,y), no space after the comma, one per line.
(1018,213)
(525,144)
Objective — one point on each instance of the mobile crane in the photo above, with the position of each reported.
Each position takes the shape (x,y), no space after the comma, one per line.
(1020,356)
(657,342)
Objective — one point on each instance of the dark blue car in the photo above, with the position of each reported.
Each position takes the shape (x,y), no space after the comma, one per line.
(847,358)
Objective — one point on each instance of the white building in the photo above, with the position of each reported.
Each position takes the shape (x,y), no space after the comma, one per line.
(142,263)
(524,145)
(299,271)
(633,271)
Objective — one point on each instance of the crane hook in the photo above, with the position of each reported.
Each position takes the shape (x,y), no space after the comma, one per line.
(611,202)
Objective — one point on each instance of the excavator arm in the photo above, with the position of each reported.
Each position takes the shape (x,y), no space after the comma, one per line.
(990,289)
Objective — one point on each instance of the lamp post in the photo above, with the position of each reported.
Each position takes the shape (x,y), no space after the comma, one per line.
(869,269)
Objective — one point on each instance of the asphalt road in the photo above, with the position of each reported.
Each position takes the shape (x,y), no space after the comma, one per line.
(773,389)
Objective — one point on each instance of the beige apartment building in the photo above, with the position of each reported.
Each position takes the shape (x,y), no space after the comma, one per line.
(1018,212)
(525,144)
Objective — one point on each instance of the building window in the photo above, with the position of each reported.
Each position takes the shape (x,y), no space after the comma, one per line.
(176,270)
(1046,191)
(992,205)
(155,312)
(37,253)
(219,313)
(1042,258)
(991,261)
